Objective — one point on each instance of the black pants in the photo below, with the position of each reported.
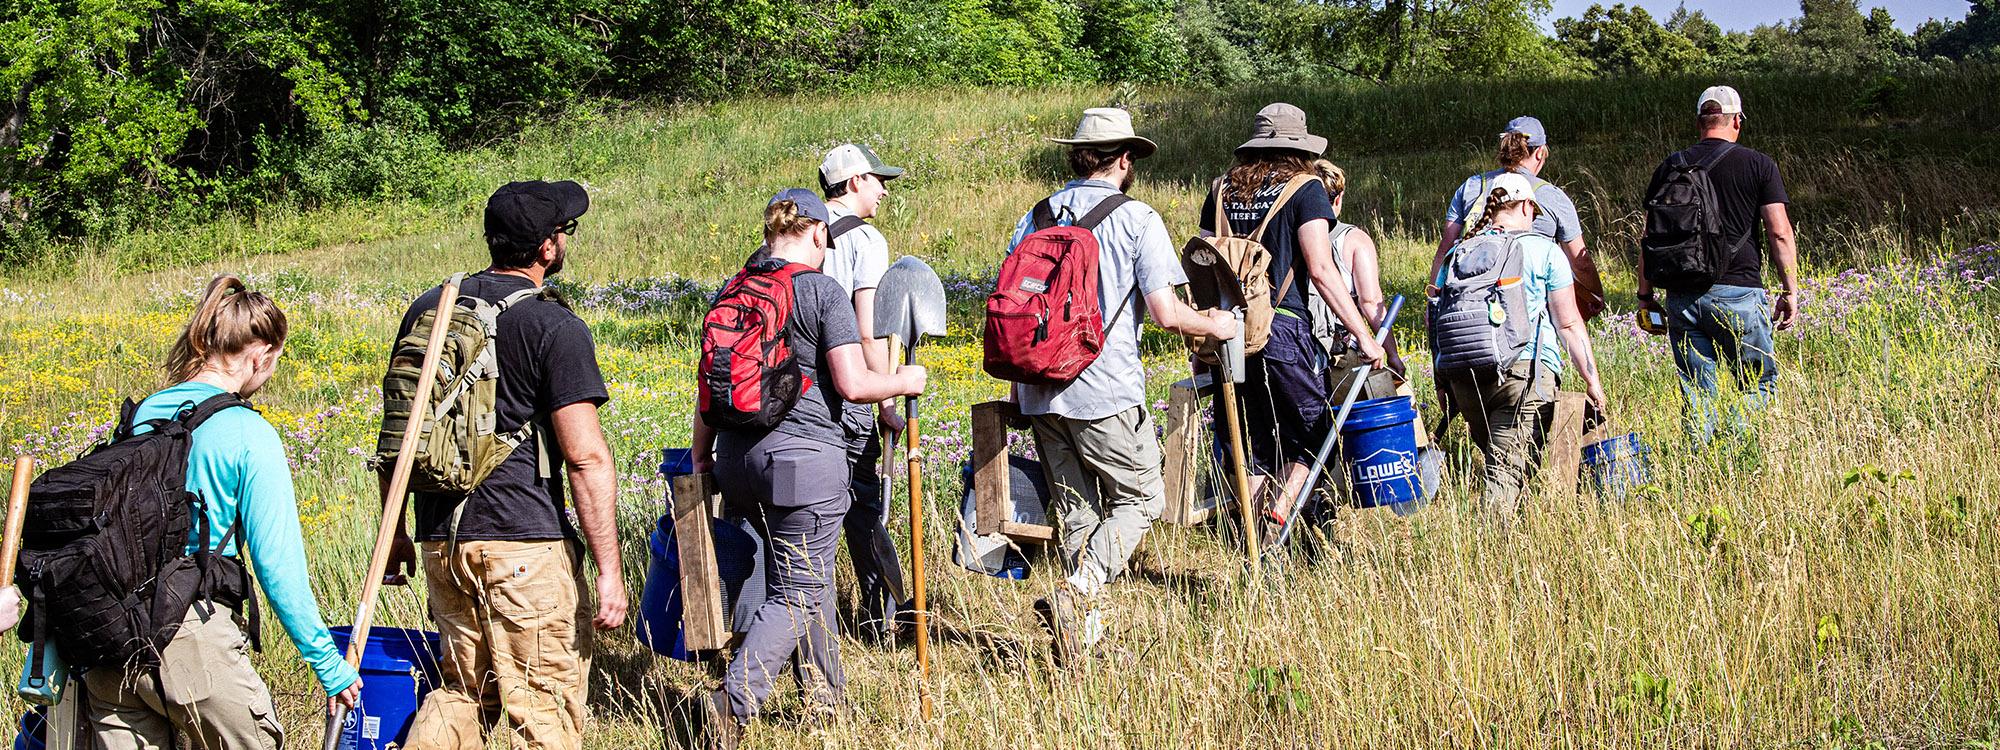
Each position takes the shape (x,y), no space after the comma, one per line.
(878,572)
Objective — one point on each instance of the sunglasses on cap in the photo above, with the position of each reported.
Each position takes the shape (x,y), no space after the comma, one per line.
(568,228)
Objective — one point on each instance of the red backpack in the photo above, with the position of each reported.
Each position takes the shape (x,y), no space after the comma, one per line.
(1044,322)
(750,377)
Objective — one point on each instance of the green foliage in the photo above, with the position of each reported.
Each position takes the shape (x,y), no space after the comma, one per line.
(1625,41)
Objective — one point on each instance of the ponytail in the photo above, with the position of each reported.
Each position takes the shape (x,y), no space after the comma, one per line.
(1332,176)
(1495,201)
(228,320)
(1514,149)
(782,217)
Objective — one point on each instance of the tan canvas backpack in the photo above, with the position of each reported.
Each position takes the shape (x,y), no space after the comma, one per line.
(1226,271)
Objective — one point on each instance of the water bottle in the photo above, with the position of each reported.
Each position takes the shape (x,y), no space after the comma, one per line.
(43,687)
(1232,351)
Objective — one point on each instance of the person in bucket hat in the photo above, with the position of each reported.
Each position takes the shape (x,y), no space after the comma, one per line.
(1285,391)
(1094,433)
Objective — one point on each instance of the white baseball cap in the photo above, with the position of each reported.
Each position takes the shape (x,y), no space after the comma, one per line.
(850,160)
(1726,99)
(1517,187)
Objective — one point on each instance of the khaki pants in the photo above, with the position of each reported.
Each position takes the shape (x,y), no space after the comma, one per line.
(208,692)
(511,617)
(1104,484)
(1508,420)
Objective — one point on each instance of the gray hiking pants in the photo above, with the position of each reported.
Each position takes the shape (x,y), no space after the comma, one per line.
(791,490)
(1104,484)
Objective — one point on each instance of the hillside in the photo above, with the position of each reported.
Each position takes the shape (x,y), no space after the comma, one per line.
(1834,589)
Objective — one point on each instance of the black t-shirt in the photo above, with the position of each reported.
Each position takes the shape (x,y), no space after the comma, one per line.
(1281,238)
(1745,182)
(547,362)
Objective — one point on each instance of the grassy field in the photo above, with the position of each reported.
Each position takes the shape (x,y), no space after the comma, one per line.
(1840,590)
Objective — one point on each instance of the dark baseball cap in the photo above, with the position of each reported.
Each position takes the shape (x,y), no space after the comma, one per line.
(522,214)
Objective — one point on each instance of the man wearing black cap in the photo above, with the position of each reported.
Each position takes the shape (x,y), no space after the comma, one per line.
(504,563)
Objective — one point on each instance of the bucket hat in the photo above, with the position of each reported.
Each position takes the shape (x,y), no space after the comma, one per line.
(1282,125)
(1108,127)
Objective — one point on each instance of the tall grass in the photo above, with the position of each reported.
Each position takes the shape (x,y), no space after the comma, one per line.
(1835,588)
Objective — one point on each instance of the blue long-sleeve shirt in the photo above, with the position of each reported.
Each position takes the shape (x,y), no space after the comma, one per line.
(237,465)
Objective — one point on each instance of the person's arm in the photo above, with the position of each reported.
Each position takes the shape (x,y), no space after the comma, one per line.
(270,536)
(1169,312)
(1317,247)
(873,350)
(1452,230)
(1367,264)
(861,385)
(1784,255)
(593,481)
(1576,341)
(704,445)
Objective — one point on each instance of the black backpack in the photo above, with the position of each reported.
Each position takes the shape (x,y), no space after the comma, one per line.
(104,562)
(1683,244)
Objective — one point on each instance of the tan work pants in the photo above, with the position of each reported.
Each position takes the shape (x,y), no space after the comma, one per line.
(207,690)
(512,619)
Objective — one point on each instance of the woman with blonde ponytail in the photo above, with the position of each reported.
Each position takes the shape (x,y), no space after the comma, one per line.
(790,479)
(1524,150)
(207,689)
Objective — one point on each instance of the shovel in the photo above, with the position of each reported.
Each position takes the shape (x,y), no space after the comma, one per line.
(392,501)
(1332,435)
(909,305)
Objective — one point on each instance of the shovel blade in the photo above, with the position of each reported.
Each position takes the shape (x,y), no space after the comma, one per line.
(909,300)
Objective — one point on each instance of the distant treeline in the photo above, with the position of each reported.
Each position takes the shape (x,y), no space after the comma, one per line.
(118,113)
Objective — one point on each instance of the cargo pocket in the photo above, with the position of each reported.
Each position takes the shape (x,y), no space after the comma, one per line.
(522,585)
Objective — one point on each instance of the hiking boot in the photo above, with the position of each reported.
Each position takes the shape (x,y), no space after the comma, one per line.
(1060,614)
(719,728)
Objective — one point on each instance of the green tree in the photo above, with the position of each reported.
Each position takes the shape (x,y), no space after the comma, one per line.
(1626,41)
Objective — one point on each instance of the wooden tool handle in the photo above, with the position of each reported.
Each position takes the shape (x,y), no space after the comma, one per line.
(1241,475)
(17,511)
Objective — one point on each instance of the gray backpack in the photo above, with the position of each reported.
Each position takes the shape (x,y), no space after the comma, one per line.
(1480,317)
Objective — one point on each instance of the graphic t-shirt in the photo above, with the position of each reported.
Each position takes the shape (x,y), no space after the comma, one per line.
(1281,238)
(1745,182)
(547,361)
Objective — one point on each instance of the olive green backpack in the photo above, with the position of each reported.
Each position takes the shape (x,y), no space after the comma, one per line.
(461,443)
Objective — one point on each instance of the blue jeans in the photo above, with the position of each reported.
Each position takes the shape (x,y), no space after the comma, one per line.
(1729,323)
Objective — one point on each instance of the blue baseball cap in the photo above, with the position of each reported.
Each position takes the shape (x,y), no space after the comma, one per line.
(1530,127)
(810,206)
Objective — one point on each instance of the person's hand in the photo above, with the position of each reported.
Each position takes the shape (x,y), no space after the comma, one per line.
(348,699)
(402,561)
(702,462)
(1653,306)
(1373,352)
(1784,311)
(1595,392)
(1224,321)
(891,422)
(10,608)
(611,602)
(914,379)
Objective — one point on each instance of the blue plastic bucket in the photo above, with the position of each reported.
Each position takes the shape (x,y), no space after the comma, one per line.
(1380,448)
(739,561)
(398,667)
(675,462)
(32,727)
(1618,466)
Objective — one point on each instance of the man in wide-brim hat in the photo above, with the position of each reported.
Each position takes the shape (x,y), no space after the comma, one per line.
(1285,393)
(1095,435)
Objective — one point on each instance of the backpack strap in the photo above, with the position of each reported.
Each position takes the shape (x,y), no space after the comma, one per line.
(1222,228)
(1102,211)
(1715,157)
(842,226)
(193,418)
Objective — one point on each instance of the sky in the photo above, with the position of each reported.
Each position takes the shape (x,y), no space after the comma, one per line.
(1738,15)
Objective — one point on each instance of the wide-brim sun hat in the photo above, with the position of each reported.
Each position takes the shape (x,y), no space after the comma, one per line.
(1108,128)
(1283,126)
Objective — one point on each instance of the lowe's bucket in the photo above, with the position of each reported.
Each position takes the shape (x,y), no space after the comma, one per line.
(398,667)
(1380,448)
(1618,466)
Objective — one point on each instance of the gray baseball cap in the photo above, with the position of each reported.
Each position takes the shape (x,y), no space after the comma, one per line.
(850,160)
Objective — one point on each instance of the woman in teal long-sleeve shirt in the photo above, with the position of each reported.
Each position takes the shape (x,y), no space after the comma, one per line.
(236,463)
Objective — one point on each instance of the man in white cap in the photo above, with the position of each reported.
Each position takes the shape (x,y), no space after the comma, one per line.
(855,181)
(1724,312)
(1095,436)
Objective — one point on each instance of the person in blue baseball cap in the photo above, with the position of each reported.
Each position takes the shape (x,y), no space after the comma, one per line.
(785,469)
(1524,150)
